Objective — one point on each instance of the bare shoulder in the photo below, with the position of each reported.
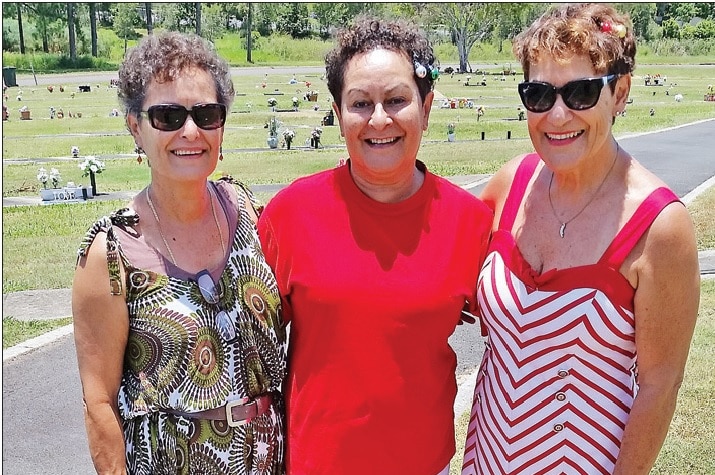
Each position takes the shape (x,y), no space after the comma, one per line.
(497,188)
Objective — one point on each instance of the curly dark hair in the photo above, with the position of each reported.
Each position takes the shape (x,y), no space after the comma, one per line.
(369,33)
(569,30)
(163,57)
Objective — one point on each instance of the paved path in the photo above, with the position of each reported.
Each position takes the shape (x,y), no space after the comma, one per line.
(43,429)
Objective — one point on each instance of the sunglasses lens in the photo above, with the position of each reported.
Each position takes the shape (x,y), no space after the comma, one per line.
(537,97)
(167,117)
(209,291)
(209,116)
(582,94)
(170,117)
(225,326)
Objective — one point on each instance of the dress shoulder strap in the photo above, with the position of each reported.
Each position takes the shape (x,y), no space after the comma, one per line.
(241,188)
(523,175)
(124,217)
(630,234)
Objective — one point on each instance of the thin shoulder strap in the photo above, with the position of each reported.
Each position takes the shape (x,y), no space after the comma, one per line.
(523,175)
(630,234)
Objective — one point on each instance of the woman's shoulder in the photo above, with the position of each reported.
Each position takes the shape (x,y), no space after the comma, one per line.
(123,217)
(500,183)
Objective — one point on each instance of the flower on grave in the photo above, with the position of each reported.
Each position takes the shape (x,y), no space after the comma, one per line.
(316,133)
(272,127)
(91,165)
(295,101)
(55,177)
(450,128)
(43,177)
(74,150)
(272,101)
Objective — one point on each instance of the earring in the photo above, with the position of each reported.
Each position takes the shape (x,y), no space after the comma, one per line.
(220,153)
(138,151)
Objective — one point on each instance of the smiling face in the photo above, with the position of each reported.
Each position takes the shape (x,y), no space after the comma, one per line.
(186,154)
(567,138)
(381,116)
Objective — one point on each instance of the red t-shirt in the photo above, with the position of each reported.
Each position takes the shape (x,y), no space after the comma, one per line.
(373,291)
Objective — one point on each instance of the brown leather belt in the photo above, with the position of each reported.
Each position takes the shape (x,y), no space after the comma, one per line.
(235,413)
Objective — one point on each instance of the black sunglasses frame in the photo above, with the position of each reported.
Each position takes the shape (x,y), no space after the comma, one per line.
(546,93)
(195,112)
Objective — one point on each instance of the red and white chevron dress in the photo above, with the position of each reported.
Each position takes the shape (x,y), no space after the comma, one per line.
(559,373)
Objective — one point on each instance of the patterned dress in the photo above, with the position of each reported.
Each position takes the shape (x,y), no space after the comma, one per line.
(559,374)
(176,359)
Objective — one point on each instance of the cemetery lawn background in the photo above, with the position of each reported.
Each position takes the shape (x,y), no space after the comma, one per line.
(39,242)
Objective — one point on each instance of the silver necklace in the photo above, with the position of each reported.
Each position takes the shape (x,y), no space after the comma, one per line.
(562,229)
(161,233)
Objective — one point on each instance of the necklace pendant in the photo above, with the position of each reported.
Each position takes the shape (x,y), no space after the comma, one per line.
(562,230)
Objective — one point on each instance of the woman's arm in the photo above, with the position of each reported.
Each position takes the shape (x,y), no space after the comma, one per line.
(666,306)
(101,325)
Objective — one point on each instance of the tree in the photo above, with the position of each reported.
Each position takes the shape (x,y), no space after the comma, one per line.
(48,19)
(705,29)
(125,19)
(198,17)
(70,31)
(642,16)
(149,19)
(93,27)
(249,37)
(671,29)
(293,20)
(468,23)
(19,28)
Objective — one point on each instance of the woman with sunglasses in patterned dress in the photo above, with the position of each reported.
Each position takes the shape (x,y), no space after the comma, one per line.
(590,288)
(180,347)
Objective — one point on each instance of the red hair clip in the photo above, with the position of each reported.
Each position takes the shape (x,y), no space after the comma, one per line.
(617,28)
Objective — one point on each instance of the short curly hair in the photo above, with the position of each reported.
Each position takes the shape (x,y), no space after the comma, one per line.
(569,30)
(368,34)
(163,57)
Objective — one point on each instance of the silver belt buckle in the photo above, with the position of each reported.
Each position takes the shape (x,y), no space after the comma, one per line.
(229,413)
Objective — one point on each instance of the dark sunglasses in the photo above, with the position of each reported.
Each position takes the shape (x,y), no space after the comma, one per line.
(579,95)
(212,294)
(170,117)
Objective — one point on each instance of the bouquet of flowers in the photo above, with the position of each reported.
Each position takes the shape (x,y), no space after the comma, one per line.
(55,177)
(43,177)
(450,128)
(91,165)
(272,102)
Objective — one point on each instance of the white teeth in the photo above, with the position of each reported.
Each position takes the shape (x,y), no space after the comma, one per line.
(563,136)
(186,152)
(382,141)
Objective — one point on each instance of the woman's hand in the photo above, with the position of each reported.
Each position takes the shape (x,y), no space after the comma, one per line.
(101,325)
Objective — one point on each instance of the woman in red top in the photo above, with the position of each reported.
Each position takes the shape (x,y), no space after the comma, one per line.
(375,260)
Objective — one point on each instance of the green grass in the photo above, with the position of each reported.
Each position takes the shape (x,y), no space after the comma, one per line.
(96,133)
(16,331)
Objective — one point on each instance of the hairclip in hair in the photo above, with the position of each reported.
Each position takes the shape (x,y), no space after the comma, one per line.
(422,70)
(617,28)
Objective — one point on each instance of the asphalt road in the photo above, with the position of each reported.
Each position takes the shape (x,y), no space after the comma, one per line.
(43,429)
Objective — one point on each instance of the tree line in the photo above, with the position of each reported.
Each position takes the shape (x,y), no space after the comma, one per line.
(464,24)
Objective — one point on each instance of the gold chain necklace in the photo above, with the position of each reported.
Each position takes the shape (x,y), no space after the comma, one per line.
(562,229)
(158,223)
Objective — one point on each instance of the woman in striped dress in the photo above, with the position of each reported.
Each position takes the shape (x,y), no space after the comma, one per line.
(590,288)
